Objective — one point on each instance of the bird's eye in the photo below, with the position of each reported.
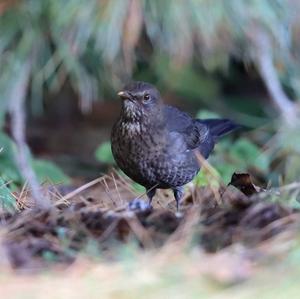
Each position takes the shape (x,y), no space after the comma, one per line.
(146,97)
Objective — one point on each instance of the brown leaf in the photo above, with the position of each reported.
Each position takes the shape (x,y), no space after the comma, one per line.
(236,198)
(264,213)
(243,182)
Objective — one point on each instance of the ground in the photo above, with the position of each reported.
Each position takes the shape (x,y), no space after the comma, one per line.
(227,242)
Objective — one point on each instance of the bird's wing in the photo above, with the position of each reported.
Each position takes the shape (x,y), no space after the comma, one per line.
(194,135)
(176,120)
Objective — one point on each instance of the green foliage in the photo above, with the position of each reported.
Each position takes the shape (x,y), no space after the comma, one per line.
(8,168)
(94,45)
(229,157)
(183,80)
(208,177)
(103,153)
(203,114)
(7,201)
(45,170)
(246,154)
(138,188)
(241,155)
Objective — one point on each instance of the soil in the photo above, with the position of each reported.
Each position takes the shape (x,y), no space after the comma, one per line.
(99,222)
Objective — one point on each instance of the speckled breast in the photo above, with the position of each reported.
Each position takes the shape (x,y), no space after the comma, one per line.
(147,159)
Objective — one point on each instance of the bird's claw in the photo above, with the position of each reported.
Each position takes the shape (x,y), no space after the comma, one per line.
(139,205)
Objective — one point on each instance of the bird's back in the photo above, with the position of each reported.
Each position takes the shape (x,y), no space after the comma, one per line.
(198,134)
(194,133)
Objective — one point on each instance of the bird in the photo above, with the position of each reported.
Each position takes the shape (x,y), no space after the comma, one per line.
(156,145)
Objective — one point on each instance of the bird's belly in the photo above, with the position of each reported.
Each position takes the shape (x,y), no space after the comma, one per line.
(134,159)
(138,170)
(175,171)
(149,167)
(148,164)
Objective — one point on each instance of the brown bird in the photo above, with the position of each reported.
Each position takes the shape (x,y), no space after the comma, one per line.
(156,145)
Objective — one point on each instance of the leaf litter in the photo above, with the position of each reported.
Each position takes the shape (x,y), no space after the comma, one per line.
(97,220)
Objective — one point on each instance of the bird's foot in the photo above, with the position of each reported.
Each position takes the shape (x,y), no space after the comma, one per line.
(178,214)
(139,205)
(178,193)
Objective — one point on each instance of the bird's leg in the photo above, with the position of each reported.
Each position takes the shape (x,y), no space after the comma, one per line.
(139,204)
(150,194)
(178,193)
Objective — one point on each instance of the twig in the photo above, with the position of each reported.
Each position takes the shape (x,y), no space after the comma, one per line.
(277,191)
(107,192)
(267,70)
(81,189)
(140,232)
(116,186)
(205,165)
(17,111)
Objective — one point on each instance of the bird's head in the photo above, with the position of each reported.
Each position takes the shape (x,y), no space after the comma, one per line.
(140,100)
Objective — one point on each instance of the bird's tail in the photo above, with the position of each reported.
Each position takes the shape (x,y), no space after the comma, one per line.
(220,127)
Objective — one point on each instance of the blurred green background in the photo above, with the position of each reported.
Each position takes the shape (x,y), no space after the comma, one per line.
(236,59)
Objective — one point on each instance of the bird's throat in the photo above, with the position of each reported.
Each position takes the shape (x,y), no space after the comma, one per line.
(130,112)
(131,128)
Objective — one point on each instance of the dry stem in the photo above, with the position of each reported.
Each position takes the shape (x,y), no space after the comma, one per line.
(267,70)
(17,111)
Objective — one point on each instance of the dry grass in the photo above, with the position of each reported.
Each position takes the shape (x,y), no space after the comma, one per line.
(229,246)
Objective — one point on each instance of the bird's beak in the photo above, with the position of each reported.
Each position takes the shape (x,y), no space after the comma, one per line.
(124,95)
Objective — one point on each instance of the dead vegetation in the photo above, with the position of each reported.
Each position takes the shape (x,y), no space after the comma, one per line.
(95,220)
